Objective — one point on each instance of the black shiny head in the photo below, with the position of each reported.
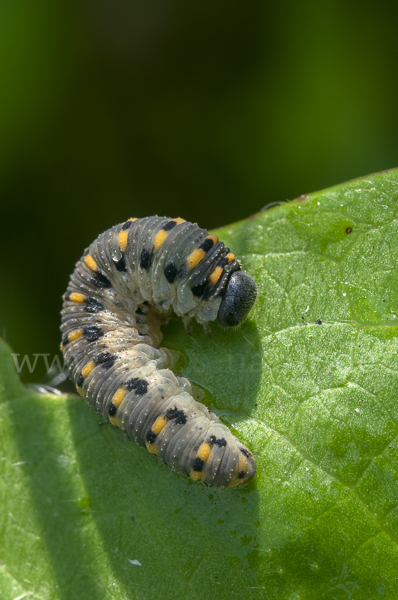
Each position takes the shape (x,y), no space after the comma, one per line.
(238,299)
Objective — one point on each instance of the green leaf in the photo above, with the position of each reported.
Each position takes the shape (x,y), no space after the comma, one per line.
(309,382)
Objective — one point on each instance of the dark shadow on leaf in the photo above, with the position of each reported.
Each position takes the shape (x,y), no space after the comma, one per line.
(183,533)
(61,517)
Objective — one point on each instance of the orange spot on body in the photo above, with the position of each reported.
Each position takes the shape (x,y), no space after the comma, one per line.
(75,335)
(77,297)
(150,447)
(215,275)
(118,397)
(195,257)
(159,424)
(123,237)
(204,451)
(88,368)
(90,262)
(213,238)
(159,239)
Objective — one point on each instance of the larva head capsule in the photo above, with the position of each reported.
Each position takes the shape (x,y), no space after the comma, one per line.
(239,297)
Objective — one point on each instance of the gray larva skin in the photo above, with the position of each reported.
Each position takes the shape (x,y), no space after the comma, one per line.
(123,286)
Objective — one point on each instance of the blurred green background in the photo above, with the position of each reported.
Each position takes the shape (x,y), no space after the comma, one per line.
(209,111)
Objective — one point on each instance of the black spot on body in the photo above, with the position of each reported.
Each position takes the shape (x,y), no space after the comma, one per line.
(145,260)
(210,290)
(206,245)
(169,225)
(223,262)
(127,225)
(221,442)
(93,306)
(178,416)
(170,272)
(101,281)
(150,437)
(245,452)
(120,264)
(181,418)
(140,386)
(65,339)
(198,464)
(105,359)
(112,410)
(198,289)
(241,474)
(92,333)
(79,380)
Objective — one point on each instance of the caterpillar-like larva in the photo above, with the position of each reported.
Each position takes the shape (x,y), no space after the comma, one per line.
(125,283)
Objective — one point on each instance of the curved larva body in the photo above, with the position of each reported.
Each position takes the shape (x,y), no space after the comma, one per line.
(111,321)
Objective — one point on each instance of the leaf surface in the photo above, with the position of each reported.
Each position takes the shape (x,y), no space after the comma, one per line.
(309,382)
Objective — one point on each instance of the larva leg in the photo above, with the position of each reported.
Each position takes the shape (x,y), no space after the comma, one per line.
(187,325)
(207,330)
